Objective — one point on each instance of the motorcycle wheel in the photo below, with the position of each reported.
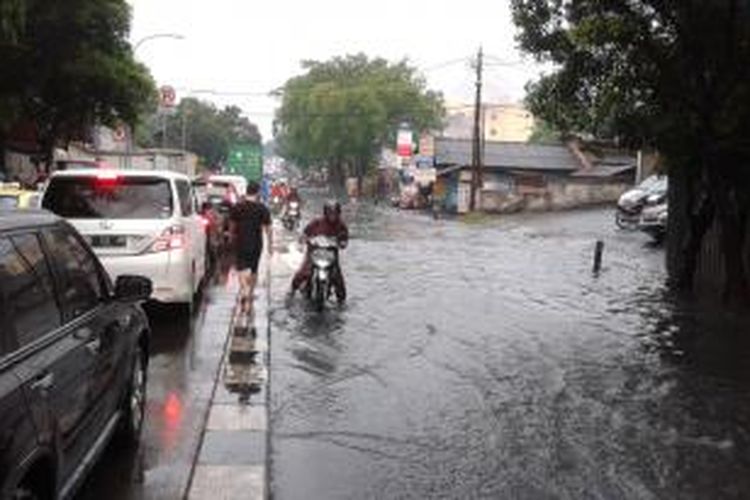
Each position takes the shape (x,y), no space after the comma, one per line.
(319,295)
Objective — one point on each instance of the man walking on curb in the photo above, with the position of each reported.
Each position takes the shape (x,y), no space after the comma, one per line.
(249,219)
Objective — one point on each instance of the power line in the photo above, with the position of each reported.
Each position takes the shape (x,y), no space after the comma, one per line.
(445,64)
(278,91)
(499,61)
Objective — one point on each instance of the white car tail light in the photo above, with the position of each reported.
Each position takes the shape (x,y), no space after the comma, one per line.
(174,237)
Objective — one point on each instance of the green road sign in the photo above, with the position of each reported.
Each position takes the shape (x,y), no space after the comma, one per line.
(246,160)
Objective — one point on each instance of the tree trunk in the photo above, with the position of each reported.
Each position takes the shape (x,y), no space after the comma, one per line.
(360,177)
(337,177)
(690,216)
(3,168)
(698,223)
(732,245)
(731,214)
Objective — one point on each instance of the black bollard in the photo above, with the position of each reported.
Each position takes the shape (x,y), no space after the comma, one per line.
(598,256)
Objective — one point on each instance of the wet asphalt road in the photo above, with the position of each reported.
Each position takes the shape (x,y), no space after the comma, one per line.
(485,360)
(182,369)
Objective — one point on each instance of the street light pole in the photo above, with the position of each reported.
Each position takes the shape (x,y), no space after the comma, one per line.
(137,45)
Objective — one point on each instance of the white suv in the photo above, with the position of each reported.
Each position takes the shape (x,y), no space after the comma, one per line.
(138,222)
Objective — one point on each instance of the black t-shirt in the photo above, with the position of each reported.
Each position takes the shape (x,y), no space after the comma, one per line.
(249,218)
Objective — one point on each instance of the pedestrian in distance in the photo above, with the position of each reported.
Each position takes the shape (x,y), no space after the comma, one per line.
(249,219)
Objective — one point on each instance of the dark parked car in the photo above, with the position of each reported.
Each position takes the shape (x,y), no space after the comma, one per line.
(73,356)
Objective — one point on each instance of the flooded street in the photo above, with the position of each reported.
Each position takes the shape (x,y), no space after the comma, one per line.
(484,360)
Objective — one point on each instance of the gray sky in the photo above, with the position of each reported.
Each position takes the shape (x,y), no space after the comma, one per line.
(255,46)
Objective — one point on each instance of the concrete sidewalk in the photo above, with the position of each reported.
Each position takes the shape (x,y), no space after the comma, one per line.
(231,462)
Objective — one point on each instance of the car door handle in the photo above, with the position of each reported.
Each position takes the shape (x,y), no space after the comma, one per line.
(93,341)
(43,382)
(84,333)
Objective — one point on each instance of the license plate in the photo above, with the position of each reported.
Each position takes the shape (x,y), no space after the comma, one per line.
(108,241)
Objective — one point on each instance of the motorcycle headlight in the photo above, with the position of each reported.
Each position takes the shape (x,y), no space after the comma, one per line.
(322,257)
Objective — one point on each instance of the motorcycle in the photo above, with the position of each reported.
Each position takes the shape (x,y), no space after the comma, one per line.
(275,204)
(291,217)
(324,254)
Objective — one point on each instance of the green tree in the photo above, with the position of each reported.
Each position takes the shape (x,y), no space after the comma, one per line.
(669,74)
(67,66)
(341,112)
(544,133)
(208,131)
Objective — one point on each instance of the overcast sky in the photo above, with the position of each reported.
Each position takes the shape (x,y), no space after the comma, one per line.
(254,46)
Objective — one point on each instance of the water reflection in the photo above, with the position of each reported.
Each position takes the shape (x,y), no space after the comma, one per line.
(485,361)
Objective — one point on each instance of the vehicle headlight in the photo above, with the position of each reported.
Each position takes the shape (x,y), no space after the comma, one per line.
(663,215)
(322,257)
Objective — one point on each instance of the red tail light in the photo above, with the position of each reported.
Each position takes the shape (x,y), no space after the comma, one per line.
(171,239)
(106,179)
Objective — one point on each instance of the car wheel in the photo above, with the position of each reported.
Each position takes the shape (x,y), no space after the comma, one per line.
(133,407)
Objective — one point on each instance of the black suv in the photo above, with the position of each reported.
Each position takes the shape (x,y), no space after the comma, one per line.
(73,356)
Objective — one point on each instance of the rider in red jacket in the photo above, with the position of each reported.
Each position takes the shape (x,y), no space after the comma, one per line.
(332,226)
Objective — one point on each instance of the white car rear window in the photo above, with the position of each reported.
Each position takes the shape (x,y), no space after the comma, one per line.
(110,197)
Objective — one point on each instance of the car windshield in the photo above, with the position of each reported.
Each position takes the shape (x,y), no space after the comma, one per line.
(8,202)
(654,183)
(88,197)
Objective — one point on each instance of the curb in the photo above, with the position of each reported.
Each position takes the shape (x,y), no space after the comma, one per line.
(234,448)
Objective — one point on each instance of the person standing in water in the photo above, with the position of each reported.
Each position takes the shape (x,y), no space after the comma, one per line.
(249,219)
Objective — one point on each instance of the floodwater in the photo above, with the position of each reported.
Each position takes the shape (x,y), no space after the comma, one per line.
(485,360)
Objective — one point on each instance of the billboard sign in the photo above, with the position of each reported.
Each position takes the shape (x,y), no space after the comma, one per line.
(404,143)
(246,160)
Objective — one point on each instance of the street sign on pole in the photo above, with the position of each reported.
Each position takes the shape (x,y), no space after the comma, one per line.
(404,143)
(167,96)
(246,160)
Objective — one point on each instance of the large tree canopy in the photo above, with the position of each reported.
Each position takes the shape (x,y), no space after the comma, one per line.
(341,112)
(67,66)
(668,73)
(208,132)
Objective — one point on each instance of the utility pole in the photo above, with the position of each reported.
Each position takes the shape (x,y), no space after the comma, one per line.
(476,150)
(184,128)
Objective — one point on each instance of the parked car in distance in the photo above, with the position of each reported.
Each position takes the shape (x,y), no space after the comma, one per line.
(138,222)
(13,196)
(73,356)
(654,220)
(237,181)
(221,195)
(631,204)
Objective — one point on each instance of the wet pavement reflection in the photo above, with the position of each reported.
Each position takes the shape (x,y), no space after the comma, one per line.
(484,360)
(184,359)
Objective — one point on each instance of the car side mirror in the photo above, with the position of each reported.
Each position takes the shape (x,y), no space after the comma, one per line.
(132,288)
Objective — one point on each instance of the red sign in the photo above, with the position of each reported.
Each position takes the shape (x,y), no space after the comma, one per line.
(404,143)
(120,133)
(167,96)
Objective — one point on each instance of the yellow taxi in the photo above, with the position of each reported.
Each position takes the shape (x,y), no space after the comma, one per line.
(12,196)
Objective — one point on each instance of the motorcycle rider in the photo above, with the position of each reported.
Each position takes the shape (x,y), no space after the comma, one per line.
(332,226)
(293,196)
